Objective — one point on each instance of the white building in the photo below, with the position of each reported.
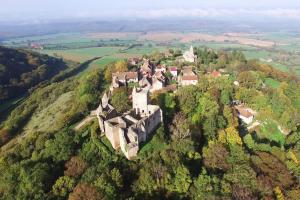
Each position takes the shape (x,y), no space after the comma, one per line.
(173,71)
(188,77)
(188,80)
(245,114)
(189,56)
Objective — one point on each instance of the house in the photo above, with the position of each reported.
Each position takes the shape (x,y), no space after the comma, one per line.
(157,84)
(131,77)
(146,83)
(160,68)
(121,79)
(189,56)
(188,77)
(128,130)
(245,114)
(188,80)
(173,71)
(146,69)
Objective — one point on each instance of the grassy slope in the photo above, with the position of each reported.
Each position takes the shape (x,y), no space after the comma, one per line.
(45,119)
(269,130)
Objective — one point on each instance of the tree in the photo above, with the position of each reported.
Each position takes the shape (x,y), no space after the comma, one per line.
(60,148)
(121,66)
(120,100)
(215,156)
(180,127)
(182,180)
(279,174)
(106,187)
(230,116)
(207,109)
(249,79)
(204,186)
(232,136)
(187,98)
(117,177)
(63,186)
(75,167)
(85,191)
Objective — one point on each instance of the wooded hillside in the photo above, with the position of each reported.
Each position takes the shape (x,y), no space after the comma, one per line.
(21,70)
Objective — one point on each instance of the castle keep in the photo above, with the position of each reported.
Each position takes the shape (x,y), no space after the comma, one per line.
(128,130)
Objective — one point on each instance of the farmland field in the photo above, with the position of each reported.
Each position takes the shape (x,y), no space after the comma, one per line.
(279,49)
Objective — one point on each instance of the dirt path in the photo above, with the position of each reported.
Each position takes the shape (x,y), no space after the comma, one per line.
(84,122)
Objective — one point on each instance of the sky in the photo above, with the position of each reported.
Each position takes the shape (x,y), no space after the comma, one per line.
(47,10)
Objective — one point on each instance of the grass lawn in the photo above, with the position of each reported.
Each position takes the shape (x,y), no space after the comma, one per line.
(272,82)
(269,130)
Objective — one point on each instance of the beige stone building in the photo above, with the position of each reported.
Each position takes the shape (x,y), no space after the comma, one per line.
(188,77)
(126,131)
(120,79)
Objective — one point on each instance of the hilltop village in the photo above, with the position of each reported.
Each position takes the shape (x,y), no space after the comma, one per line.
(200,124)
(128,130)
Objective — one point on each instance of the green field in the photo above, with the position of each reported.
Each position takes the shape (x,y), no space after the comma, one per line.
(82,55)
(272,83)
(269,130)
(81,47)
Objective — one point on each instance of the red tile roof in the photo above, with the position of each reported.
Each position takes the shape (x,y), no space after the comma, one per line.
(190,78)
(243,111)
(216,74)
(131,75)
(173,69)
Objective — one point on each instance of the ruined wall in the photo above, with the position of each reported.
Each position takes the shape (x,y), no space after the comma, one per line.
(153,120)
(129,150)
(112,134)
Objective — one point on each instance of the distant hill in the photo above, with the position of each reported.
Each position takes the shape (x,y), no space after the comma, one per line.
(21,70)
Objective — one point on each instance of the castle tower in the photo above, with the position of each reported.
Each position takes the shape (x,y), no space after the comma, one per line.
(140,101)
(192,50)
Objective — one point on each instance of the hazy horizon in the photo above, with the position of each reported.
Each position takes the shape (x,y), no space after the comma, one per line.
(37,11)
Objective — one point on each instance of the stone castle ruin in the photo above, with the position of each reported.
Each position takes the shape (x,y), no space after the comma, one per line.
(126,131)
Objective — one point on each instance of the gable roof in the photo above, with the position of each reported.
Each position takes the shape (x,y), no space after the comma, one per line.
(173,69)
(243,111)
(216,74)
(190,78)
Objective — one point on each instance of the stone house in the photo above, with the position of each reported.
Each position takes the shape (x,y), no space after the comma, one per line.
(146,69)
(121,79)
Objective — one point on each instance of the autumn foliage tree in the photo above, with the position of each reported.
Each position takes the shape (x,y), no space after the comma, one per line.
(75,166)
(84,191)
